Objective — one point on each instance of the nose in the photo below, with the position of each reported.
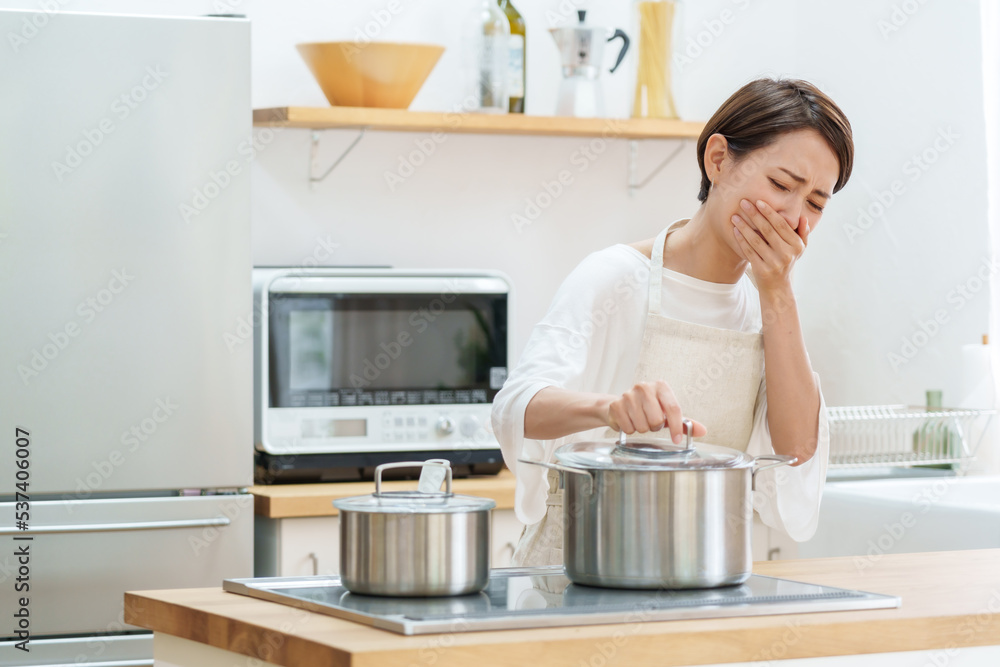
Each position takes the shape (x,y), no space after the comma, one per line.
(791,210)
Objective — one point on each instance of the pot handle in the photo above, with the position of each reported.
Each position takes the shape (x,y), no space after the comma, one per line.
(441,463)
(779,460)
(560,468)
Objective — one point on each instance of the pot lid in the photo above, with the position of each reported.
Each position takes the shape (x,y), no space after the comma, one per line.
(427,499)
(414,502)
(651,453)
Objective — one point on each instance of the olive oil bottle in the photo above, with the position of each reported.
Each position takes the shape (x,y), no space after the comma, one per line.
(517,62)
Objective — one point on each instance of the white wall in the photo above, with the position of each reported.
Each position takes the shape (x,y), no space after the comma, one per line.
(862,291)
(456,209)
(860,296)
(989,459)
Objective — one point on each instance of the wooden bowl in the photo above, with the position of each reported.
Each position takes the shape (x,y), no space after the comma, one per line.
(377,74)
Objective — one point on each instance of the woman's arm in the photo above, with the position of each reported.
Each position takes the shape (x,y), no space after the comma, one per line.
(792,394)
(772,247)
(554,412)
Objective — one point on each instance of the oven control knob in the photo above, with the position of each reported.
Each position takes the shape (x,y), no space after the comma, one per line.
(445,426)
(469,426)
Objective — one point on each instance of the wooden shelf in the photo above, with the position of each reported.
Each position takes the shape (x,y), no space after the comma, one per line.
(401,120)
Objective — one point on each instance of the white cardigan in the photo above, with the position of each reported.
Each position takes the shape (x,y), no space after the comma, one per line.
(589,341)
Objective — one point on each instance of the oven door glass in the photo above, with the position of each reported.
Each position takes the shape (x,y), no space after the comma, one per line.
(386,349)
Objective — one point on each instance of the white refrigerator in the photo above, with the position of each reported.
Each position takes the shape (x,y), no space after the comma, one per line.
(126,423)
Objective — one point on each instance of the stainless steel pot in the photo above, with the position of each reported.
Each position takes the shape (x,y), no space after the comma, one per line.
(414,543)
(649,514)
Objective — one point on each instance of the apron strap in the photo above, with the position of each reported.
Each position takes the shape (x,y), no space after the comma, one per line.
(656,265)
(656,271)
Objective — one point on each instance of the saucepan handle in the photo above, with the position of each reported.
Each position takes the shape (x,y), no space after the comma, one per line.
(438,463)
(779,460)
(560,468)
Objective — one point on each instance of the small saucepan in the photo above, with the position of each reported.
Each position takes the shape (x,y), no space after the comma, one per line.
(414,543)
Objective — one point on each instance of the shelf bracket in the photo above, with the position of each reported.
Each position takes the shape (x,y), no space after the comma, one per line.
(314,157)
(633,165)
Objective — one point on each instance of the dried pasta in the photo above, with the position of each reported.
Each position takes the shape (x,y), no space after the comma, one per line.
(653,97)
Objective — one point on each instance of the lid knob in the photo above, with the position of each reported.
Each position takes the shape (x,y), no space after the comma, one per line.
(655,451)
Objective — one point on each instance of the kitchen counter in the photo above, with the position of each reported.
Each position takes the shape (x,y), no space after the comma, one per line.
(281,501)
(950,601)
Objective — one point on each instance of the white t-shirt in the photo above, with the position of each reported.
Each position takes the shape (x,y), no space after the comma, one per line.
(589,341)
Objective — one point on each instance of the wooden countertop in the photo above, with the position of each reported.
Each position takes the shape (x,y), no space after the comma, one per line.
(280,501)
(949,600)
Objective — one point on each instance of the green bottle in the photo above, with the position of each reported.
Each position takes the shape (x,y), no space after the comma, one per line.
(517,62)
(936,438)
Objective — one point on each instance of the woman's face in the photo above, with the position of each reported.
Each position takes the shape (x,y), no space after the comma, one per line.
(795,175)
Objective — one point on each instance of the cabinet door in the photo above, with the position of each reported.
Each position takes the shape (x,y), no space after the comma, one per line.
(309,546)
(782,547)
(770,543)
(759,539)
(506,531)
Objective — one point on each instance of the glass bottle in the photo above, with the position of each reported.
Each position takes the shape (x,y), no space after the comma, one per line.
(937,438)
(654,25)
(487,41)
(517,57)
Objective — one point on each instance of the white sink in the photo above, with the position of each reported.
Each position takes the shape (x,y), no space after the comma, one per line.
(870,518)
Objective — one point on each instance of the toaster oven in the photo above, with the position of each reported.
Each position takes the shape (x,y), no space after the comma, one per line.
(358,367)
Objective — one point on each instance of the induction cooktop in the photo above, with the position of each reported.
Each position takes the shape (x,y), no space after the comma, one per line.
(536,597)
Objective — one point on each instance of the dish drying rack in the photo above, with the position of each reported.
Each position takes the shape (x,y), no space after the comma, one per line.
(904,435)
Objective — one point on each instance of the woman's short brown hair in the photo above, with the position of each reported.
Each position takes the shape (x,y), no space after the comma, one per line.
(762,110)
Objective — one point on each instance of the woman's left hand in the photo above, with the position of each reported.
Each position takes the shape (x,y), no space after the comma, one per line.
(769,243)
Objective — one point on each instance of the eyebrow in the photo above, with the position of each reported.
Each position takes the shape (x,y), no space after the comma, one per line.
(799,179)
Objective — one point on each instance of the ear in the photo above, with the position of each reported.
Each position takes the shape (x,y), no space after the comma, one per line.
(716,152)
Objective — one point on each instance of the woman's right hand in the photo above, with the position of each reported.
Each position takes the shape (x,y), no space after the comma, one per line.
(648,406)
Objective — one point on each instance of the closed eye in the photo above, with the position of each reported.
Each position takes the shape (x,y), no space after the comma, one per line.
(816,207)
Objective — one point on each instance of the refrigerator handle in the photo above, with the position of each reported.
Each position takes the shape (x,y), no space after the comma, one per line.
(108,527)
(112,663)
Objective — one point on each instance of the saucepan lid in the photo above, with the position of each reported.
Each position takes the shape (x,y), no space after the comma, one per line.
(647,452)
(427,499)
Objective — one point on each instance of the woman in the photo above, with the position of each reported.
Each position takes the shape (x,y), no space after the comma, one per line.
(700,321)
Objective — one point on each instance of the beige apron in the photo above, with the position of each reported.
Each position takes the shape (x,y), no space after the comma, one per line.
(714,373)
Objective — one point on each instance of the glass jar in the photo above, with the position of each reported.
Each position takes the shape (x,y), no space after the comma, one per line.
(655,23)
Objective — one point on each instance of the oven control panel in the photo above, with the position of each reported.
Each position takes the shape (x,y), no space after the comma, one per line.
(377,428)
